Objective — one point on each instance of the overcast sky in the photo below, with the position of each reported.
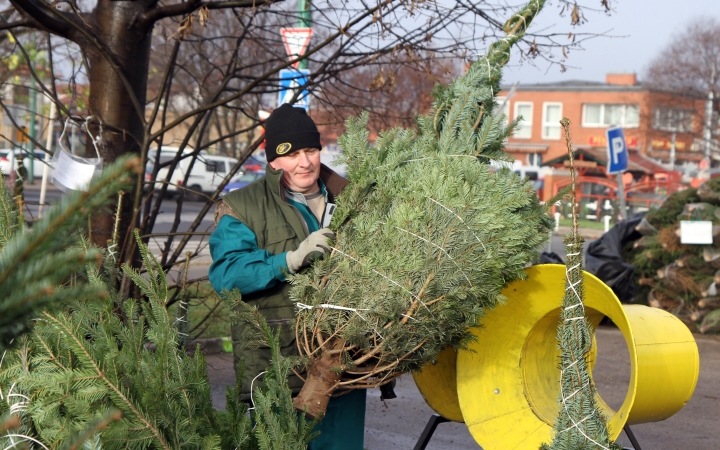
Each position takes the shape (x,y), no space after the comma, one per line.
(647,26)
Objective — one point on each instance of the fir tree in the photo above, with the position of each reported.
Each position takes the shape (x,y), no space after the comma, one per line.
(35,262)
(279,425)
(580,424)
(428,234)
(86,375)
(680,278)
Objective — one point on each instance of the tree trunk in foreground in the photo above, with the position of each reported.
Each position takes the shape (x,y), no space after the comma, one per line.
(321,382)
(110,102)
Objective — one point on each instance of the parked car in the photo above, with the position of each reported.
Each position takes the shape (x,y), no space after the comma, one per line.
(242,181)
(254,164)
(206,174)
(5,160)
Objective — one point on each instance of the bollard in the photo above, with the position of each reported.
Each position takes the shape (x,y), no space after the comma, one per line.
(557,221)
(606,219)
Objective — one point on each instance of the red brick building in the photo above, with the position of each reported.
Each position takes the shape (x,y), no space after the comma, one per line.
(649,117)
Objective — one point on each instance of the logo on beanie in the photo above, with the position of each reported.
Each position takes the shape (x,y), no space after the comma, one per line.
(283,148)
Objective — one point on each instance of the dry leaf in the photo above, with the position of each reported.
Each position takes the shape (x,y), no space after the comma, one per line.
(391,81)
(378,82)
(185,28)
(203,15)
(575,15)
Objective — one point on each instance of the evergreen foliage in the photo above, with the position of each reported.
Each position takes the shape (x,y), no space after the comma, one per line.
(85,375)
(428,233)
(35,262)
(680,278)
(580,424)
(671,208)
(278,425)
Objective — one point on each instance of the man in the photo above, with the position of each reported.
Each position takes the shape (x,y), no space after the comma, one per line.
(272,227)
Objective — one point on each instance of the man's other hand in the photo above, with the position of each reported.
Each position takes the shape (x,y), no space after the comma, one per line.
(314,247)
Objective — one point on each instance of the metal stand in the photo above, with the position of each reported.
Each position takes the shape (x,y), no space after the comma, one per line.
(427,433)
(437,419)
(631,436)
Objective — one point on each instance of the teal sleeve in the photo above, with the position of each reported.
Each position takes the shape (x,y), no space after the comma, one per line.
(237,262)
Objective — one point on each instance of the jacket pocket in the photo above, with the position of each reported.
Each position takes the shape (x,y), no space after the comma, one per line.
(278,234)
(287,331)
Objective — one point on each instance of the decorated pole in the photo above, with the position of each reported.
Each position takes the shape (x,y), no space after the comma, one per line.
(580,424)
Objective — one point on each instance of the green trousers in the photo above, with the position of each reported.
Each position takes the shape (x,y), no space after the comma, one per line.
(343,427)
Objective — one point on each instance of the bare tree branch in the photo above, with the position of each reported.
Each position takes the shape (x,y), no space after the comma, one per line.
(331,38)
(44,16)
(178,9)
(16,24)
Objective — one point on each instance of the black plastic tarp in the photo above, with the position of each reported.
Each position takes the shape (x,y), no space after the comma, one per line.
(603,258)
(550,258)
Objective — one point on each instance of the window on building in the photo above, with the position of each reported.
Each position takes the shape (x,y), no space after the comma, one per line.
(534,159)
(524,128)
(599,115)
(502,106)
(673,119)
(552,113)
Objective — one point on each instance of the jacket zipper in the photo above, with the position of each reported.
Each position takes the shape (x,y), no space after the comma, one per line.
(299,214)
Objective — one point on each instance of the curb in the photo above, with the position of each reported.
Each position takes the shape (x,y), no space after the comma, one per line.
(587,233)
(208,346)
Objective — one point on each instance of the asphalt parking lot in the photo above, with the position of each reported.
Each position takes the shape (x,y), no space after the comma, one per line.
(398,423)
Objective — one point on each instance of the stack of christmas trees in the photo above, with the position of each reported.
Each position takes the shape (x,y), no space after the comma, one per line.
(76,367)
(681,278)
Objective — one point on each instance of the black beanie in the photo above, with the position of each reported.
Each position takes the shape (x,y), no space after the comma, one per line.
(289,129)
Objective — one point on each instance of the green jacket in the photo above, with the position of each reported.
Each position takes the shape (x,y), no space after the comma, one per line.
(256,227)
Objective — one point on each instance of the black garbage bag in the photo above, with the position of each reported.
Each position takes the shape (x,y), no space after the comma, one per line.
(604,259)
(550,258)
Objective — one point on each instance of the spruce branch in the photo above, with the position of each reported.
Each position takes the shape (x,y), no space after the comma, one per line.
(108,418)
(78,344)
(35,263)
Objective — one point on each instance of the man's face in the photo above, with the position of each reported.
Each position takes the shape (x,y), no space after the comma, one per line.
(302,169)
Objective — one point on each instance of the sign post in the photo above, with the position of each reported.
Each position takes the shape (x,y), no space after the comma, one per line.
(296,42)
(618,162)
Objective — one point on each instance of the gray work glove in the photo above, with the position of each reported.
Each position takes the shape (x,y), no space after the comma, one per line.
(313,247)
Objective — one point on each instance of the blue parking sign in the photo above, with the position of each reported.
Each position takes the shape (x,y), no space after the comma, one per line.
(291,80)
(617,151)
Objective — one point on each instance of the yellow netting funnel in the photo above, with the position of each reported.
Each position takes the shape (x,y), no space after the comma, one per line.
(508,385)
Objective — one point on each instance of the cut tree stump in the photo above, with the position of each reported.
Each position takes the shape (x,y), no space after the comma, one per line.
(323,375)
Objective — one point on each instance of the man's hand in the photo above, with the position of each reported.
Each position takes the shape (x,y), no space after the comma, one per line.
(315,246)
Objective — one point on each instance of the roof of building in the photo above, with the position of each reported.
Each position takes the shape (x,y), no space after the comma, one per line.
(577,85)
(636,163)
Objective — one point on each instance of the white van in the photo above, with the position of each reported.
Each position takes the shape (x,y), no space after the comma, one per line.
(207,171)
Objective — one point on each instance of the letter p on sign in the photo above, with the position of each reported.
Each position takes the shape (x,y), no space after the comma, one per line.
(617,151)
(618,146)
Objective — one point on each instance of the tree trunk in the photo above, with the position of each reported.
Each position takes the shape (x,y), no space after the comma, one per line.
(320,382)
(110,102)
